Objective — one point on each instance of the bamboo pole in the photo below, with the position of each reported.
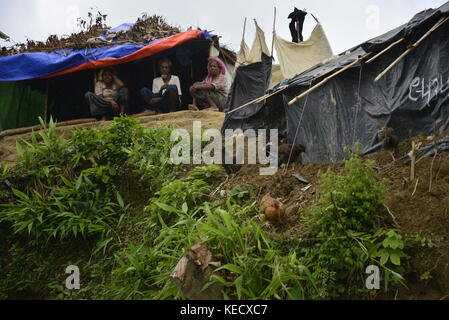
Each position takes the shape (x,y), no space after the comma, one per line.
(257,100)
(13,132)
(46,103)
(412,164)
(244,30)
(416,186)
(274,32)
(415,149)
(410,49)
(294,100)
(431,169)
(385,50)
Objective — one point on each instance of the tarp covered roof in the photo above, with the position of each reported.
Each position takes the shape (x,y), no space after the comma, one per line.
(411,31)
(34,65)
(412,97)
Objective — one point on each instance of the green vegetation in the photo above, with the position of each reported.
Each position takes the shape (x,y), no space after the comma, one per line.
(110,202)
(343,231)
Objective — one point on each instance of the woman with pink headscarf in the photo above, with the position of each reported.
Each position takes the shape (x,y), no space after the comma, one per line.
(212,93)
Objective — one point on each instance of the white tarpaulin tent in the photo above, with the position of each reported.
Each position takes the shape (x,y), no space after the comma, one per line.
(245,56)
(295,58)
(276,75)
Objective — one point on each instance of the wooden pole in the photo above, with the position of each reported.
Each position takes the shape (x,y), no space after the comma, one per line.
(257,100)
(13,132)
(415,148)
(274,32)
(410,49)
(431,169)
(293,101)
(244,30)
(412,165)
(385,50)
(315,18)
(46,103)
(416,186)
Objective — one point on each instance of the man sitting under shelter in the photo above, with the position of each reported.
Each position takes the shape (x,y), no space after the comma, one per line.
(166,90)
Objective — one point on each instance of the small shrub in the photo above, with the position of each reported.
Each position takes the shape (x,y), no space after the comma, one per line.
(342,232)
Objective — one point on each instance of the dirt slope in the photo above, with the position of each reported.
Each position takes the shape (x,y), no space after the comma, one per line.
(421,212)
(182,119)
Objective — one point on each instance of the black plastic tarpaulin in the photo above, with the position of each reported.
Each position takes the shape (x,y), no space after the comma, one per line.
(413,97)
(250,82)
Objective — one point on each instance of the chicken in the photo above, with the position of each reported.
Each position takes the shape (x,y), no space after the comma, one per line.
(284,150)
(231,144)
(271,209)
(388,139)
(230,168)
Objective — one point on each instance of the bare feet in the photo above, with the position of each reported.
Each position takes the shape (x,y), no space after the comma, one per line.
(155,100)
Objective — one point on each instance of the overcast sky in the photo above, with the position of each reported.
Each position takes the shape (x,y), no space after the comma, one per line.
(346,22)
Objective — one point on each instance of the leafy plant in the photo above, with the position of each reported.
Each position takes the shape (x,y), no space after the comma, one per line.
(342,229)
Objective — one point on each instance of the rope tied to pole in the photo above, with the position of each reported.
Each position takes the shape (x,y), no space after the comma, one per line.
(297,131)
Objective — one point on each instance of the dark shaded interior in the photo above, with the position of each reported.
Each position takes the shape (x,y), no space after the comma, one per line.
(66,93)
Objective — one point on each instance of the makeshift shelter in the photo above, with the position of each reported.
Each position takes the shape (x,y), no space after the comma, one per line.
(341,102)
(53,82)
(255,72)
(252,78)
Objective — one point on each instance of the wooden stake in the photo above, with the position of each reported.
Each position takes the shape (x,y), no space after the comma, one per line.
(293,101)
(410,49)
(274,32)
(392,216)
(431,171)
(46,104)
(412,168)
(385,50)
(431,165)
(416,186)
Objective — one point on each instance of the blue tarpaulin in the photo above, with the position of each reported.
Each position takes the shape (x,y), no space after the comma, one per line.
(42,64)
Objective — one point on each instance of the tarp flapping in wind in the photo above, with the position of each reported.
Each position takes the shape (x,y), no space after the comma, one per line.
(295,58)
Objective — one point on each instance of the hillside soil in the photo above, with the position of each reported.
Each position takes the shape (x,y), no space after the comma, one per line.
(416,208)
